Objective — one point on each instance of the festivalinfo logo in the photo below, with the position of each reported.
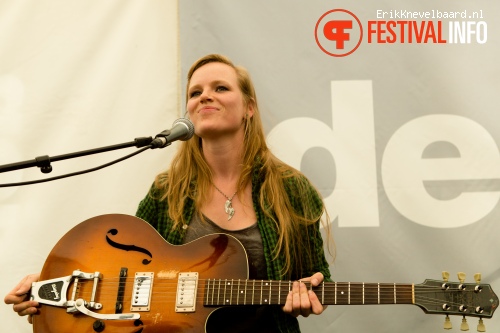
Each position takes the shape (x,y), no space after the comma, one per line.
(340,32)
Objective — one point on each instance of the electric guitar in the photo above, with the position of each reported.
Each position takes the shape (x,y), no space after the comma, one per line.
(115,273)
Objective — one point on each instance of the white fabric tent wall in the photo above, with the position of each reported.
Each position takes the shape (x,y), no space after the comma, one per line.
(78,75)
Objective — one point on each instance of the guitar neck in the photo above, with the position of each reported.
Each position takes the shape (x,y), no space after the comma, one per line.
(220,292)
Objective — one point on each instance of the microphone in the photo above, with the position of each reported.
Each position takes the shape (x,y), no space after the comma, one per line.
(182,129)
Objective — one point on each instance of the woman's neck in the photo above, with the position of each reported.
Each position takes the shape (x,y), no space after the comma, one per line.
(224,158)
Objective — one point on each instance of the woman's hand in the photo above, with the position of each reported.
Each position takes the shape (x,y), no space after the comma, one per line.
(303,301)
(20,297)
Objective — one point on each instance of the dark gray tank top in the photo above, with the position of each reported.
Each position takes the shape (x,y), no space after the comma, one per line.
(250,238)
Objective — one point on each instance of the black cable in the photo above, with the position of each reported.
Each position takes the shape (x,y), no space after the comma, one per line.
(79,172)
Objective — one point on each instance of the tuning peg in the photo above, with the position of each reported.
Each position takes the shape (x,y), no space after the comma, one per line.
(480,326)
(464,326)
(445,275)
(477,278)
(447,323)
(461,277)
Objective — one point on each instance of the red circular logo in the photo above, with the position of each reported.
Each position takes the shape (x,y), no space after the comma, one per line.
(338,32)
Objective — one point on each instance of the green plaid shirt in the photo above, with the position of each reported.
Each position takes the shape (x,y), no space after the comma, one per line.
(154,212)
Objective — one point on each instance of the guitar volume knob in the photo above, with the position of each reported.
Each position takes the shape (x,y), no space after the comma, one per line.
(98,326)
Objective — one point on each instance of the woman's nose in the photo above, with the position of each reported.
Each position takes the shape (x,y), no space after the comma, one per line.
(206,96)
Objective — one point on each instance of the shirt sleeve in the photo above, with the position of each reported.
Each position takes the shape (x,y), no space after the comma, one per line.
(154,210)
(148,209)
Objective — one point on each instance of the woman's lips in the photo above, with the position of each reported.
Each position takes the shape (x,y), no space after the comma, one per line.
(208,109)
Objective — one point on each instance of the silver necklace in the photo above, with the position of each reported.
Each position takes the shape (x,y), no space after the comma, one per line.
(228,206)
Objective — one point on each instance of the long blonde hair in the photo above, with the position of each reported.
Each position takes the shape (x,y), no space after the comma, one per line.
(189,165)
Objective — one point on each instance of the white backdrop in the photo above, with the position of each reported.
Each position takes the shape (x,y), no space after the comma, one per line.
(77,75)
(401,139)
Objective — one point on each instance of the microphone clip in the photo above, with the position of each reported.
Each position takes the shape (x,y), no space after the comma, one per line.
(160,140)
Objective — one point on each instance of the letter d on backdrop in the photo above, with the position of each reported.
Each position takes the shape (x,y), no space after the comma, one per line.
(351,142)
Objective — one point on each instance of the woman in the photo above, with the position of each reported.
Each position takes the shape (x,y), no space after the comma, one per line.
(225,179)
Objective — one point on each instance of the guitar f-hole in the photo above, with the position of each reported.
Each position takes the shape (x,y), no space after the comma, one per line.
(126,247)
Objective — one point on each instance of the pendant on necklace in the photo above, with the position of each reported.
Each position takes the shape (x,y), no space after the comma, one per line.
(228,207)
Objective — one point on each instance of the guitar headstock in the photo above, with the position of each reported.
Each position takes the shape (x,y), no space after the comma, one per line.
(457,299)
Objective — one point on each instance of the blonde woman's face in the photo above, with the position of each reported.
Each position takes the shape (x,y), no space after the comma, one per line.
(215,102)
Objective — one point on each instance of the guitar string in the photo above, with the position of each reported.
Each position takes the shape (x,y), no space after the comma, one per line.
(257,299)
(389,288)
(384,293)
(273,284)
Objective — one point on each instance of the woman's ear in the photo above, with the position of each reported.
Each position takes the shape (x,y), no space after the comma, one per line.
(250,109)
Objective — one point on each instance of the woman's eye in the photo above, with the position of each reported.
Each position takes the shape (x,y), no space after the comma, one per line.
(196,93)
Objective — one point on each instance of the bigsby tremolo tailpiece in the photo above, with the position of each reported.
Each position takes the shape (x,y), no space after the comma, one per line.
(54,292)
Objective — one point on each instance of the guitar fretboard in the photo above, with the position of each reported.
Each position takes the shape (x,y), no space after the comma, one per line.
(219,292)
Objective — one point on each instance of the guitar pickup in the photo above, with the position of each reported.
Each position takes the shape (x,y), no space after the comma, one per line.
(187,285)
(141,294)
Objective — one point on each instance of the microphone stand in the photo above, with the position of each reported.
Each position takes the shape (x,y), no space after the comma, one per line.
(43,162)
